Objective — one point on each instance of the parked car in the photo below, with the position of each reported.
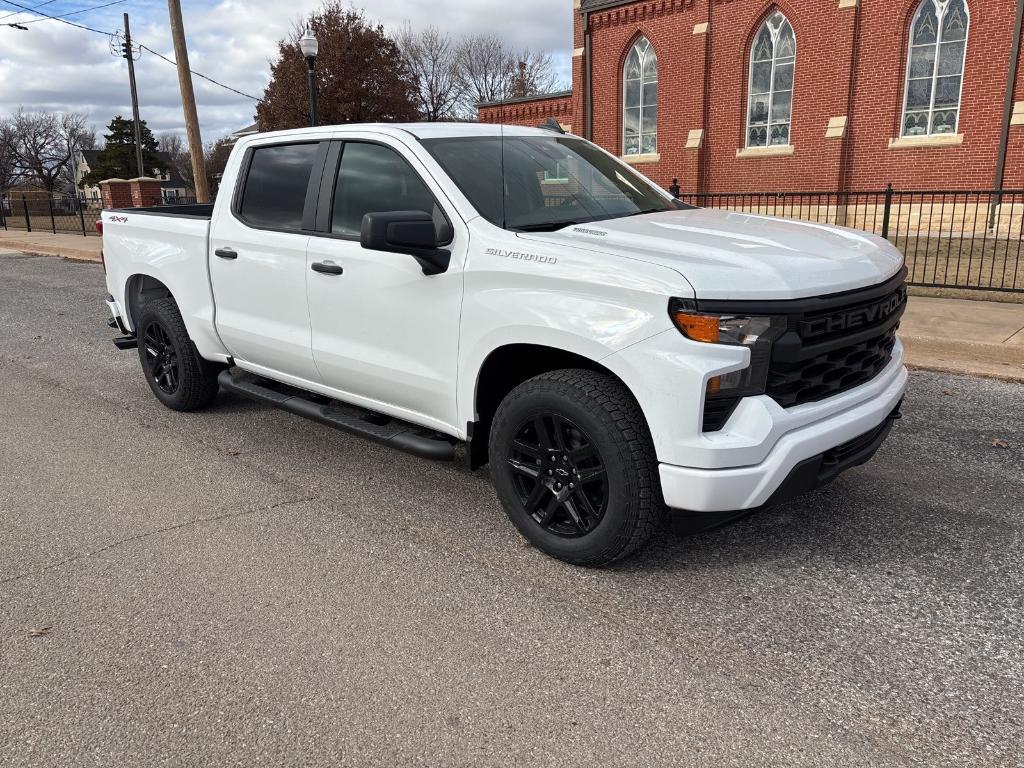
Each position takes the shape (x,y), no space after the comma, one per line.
(614,355)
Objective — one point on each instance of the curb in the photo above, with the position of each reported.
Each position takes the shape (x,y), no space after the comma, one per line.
(990,361)
(71,254)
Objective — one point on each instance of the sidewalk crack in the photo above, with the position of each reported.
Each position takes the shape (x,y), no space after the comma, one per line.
(156,532)
(1014,334)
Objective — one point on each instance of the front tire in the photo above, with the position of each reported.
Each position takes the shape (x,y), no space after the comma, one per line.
(178,376)
(574,467)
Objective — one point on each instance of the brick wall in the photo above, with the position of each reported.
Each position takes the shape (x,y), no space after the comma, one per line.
(703,51)
(530,112)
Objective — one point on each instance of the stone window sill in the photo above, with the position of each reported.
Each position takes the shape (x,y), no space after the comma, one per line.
(781,150)
(915,142)
(650,157)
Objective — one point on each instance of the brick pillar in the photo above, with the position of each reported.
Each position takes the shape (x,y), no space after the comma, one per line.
(145,192)
(116,193)
(692,171)
(578,109)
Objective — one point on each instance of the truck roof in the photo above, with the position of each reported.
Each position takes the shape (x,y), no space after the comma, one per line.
(419,130)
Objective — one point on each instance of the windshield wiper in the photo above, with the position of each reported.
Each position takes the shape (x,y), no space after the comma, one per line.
(546,226)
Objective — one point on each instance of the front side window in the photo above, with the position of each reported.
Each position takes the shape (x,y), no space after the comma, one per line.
(935,68)
(640,108)
(375,179)
(275,187)
(504,179)
(772,65)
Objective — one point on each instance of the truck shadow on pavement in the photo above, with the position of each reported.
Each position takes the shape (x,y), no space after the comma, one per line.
(888,511)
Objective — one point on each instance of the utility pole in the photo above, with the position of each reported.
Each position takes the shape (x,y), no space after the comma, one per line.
(188,102)
(130,55)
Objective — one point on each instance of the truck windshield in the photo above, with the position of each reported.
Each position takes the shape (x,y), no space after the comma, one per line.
(549,182)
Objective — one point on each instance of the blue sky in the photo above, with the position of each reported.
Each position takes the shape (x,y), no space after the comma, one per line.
(55,67)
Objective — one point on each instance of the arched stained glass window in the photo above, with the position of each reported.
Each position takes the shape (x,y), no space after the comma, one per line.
(935,68)
(772,64)
(640,100)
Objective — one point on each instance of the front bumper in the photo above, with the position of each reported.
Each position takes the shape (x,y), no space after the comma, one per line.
(795,457)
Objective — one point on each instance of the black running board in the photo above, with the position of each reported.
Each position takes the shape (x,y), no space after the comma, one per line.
(393,432)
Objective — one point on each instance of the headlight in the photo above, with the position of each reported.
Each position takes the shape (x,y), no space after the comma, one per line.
(755,332)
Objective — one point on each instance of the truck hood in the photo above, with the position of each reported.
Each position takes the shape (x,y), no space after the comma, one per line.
(728,255)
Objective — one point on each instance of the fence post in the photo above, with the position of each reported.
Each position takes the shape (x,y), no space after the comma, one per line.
(28,219)
(81,215)
(53,221)
(674,189)
(888,212)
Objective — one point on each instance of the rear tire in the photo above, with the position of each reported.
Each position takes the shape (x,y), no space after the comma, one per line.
(574,467)
(178,376)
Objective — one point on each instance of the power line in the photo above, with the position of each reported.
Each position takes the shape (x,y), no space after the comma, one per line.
(110,34)
(75,13)
(56,18)
(199,74)
(15,13)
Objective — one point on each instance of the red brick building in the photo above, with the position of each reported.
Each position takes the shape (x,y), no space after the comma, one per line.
(738,95)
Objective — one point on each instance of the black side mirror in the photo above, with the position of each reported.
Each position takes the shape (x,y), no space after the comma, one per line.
(409,232)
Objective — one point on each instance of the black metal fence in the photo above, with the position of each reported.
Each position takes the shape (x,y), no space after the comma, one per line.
(58,213)
(951,239)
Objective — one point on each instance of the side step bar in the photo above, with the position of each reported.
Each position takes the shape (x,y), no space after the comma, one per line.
(397,434)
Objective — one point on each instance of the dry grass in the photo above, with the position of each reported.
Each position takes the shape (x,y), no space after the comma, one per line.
(972,267)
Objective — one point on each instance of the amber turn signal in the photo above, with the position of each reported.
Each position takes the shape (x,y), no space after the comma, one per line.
(698,327)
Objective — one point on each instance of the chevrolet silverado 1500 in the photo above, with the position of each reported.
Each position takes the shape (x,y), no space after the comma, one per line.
(614,355)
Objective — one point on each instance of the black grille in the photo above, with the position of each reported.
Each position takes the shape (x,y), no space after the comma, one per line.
(820,376)
(832,344)
(835,348)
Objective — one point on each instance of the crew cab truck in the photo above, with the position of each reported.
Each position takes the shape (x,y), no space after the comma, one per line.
(614,355)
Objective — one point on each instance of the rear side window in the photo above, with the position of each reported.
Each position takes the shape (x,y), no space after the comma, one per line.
(275,189)
(376,179)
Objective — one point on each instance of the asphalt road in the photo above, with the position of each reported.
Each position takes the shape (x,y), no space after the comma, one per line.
(243,587)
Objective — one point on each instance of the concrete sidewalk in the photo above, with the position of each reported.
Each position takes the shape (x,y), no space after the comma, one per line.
(980,338)
(74,247)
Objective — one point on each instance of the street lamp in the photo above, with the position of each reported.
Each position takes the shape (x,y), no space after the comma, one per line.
(310,47)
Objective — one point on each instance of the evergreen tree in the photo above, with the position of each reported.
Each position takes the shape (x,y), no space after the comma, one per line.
(117,159)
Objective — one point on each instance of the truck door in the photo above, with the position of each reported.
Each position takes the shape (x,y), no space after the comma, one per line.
(383,332)
(258,259)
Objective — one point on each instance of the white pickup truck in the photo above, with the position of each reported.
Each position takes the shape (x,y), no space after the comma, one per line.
(614,355)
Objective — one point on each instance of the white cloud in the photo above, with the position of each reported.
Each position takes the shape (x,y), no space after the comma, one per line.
(56,67)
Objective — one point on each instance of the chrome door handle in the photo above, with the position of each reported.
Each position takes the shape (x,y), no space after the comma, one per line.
(327,268)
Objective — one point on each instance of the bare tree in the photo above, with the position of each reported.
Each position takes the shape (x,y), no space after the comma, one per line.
(9,171)
(433,61)
(486,68)
(216,158)
(45,146)
(491,71)
(535,73)
(178,155)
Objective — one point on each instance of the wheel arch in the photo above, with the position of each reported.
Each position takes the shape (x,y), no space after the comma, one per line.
(504,369)
(139,290)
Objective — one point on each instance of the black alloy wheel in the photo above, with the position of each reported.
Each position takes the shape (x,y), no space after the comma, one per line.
(574,466)
(175,372)
(559,476)
(161,358)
